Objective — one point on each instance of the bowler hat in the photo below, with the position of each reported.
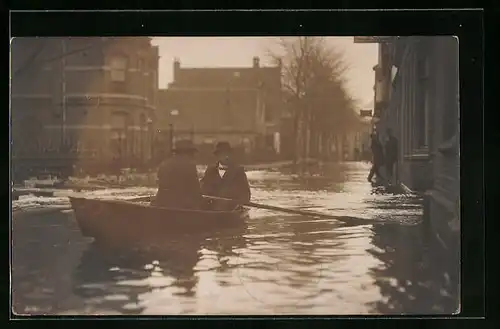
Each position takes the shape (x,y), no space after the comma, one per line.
(222,147)
(184,145)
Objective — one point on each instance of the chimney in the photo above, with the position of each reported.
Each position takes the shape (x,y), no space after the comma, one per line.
(256,62)
(177,67)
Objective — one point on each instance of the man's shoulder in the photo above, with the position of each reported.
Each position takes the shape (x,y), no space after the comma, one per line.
(211,167)
(238,168)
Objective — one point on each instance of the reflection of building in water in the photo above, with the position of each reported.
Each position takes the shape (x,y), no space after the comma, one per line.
(66,93)
(115,278)
(41,282)
(412,279)
(119,279)
(96,280)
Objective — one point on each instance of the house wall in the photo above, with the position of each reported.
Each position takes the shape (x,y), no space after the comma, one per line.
(423,112)
(80,81)
(240,105)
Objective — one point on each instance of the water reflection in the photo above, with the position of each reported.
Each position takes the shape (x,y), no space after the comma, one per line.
(319,178)
(45,249)
(413,277)
(276,264)
(116,277)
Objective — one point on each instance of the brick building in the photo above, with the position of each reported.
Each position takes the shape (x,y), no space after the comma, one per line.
(87,100)
(240,105)
(422,108)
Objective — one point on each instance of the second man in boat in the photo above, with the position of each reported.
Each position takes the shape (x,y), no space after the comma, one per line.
(225,179)
(178,185)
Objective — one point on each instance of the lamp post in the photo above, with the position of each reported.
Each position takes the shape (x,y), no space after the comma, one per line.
(173,114)
(149,123)
(121,140)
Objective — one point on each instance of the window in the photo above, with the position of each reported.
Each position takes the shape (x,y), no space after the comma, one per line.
(140,64)
(118,88)
(118,68)
(268,115)
(269,141)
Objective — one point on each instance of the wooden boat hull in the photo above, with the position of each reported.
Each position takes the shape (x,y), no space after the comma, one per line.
(124,220)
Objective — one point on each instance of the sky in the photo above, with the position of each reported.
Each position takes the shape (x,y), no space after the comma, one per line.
(239,51)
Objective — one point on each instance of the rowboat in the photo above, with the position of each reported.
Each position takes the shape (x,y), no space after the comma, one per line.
(118,220)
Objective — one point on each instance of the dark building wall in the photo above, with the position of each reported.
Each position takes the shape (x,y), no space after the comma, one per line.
(408,111)
(423,111)
(443,199)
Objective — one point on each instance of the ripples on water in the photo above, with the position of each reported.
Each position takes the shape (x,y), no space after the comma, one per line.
(277,264)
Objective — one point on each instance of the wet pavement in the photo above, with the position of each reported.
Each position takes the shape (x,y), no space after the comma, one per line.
(277,264)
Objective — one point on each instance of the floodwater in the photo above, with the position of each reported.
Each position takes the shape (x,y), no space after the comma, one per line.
(277,264)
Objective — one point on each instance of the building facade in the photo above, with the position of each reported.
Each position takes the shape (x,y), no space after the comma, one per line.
(421,105)
(91,100)
(239,105)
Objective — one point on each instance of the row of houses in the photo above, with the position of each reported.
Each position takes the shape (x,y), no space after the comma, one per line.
(245,106)
(241,105)
(95,103)
(417,96)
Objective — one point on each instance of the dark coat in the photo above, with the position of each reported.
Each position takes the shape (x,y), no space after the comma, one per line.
(233,185)
(391,150)
(377,151)
(178,185)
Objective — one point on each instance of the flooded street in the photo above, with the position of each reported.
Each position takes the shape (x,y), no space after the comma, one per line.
(277,264)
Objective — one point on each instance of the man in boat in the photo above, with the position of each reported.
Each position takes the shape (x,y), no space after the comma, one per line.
(225,179)
(178,185)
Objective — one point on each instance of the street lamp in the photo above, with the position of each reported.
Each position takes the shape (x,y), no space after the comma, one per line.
(173,114)
(149,123)
(121,147)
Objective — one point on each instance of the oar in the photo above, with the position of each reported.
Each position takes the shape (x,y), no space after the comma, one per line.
(346,219)
(141,199)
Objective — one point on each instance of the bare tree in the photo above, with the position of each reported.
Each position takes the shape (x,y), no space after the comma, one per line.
(313,78)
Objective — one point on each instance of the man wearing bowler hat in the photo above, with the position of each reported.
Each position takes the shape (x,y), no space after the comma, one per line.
(178,185)
(225,179)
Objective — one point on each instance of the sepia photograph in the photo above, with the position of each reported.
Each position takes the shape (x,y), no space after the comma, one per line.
(277,175)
